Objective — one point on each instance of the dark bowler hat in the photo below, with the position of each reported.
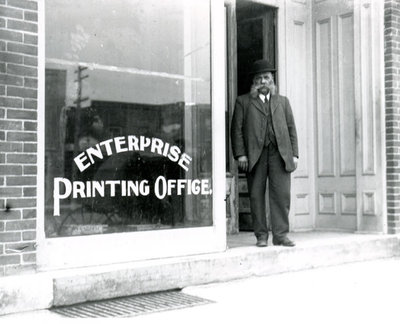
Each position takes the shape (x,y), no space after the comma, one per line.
(261,66)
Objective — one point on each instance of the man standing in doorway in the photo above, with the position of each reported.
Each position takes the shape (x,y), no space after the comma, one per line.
(264,141)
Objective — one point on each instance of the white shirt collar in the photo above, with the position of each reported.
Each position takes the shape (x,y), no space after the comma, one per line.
(262,97)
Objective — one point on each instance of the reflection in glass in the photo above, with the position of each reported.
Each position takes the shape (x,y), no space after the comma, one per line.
(144,75)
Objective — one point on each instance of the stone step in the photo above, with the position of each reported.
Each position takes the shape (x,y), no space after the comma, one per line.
(242,259)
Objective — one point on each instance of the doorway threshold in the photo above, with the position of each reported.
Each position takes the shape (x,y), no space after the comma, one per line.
(302,239)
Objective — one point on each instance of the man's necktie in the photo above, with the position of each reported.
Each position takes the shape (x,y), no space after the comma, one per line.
(270,128)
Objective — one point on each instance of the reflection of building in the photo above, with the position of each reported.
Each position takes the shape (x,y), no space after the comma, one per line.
(167,79)
(107,120)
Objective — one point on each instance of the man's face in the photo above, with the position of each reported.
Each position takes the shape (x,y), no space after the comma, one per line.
(263,82)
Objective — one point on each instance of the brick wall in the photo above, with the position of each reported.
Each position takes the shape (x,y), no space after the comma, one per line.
(392,97)
(18,137)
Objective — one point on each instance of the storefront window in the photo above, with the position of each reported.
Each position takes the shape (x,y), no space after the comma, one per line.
(127,116)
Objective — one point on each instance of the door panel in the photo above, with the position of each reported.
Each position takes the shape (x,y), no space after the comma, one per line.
(346,107)
(370,116)
(325,108)
(297,85)
(350,114)
(335,113)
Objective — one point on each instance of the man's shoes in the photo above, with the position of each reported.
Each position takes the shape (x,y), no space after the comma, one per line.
(284,241)
(261,243)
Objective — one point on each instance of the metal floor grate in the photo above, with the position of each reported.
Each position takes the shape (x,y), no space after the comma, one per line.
(132,306)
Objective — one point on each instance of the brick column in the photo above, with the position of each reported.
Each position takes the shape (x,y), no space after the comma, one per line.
(18,135)
(392,97)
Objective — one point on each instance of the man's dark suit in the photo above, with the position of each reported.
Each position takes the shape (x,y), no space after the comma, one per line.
(248,133)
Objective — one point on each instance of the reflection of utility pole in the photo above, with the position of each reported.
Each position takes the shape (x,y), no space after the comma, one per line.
(77,125)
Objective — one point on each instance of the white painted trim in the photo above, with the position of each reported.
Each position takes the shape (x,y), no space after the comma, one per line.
(380,23)
(281,57)
(375,181)
(357,103)
(92,250)
(272,3)
(218,96)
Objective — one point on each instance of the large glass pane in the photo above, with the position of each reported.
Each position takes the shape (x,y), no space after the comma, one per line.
(128,116)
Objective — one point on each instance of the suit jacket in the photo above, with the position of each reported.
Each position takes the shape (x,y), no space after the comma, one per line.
(249,126)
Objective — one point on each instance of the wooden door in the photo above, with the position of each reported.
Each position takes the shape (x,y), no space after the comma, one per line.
(335,115)
(348,109)
(296,82)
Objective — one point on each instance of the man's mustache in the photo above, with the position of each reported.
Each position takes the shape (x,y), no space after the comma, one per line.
(256,89)
(264,88)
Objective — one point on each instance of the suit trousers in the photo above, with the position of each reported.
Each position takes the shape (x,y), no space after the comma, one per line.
(270,166)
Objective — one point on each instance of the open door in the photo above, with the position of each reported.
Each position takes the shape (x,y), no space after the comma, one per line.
(251,36)
(256,39)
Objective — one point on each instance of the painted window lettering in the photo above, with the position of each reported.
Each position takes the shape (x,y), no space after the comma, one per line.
(132,143)
(64,188)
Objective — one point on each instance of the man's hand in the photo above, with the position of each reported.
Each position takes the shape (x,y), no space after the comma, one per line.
(243,163)
(254,91)
(296,161)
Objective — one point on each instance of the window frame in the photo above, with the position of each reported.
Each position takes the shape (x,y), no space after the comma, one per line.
(91,250)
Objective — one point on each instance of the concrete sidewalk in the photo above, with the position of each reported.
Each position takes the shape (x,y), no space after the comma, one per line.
(363,292)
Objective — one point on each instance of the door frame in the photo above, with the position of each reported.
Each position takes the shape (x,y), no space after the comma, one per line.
(371,201)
